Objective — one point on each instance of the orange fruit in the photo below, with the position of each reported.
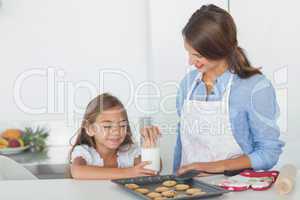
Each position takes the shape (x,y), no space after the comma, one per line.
(12,134)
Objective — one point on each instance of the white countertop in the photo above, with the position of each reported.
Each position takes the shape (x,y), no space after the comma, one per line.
(68,189)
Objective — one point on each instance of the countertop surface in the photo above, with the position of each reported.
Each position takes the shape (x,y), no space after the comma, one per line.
(68,189)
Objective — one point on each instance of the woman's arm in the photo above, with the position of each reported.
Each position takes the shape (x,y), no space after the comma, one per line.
(80,170)
(263,112)
(242,162)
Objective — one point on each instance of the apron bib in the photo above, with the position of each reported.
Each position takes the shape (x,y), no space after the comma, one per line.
(205,127)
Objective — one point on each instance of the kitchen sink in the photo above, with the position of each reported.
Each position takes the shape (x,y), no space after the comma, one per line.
(49,171)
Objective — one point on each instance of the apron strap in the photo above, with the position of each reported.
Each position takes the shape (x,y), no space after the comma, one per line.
(226,95)
(194,84)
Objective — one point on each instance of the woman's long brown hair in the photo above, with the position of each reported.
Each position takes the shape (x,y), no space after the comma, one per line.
(96,106)
(211,31)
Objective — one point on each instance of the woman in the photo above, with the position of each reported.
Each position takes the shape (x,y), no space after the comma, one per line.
(228,109)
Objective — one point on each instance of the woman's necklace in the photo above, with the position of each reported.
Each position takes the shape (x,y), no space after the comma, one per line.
(209,85)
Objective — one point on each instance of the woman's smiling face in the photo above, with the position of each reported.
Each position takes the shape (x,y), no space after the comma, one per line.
(200,62)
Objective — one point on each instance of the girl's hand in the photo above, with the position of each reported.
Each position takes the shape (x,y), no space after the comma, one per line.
(208,167)
(139,170)
(151,135)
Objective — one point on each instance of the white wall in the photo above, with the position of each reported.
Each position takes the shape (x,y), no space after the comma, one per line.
(269,31)
(76,39)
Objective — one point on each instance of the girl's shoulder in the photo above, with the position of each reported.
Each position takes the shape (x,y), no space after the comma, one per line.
(89,154)
(83,148)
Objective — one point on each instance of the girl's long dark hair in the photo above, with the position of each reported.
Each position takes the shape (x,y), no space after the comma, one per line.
(211,31)
(96,106)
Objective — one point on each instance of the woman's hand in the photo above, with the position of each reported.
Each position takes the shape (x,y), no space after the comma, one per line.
(139,170)
(208,167)
(151,135)
(241,162)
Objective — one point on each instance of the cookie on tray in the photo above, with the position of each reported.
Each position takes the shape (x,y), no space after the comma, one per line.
(132,186)
(169,194)
(181,187)
(192,191)
(160,198)
(162,189)
(199,193)
(169,183)
(142,190)
(154,195)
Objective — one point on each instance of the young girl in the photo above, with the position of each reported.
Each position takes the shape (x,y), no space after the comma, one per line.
(104,148)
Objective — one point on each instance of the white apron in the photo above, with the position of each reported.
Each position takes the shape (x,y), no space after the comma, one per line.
(205,129)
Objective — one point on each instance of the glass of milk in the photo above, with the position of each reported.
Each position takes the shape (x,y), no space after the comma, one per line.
(149,152)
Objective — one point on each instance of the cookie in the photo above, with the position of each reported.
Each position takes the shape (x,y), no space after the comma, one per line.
(169,183)
(142,190)
(160,198)
(154,195)
(182,187)
(162,189)
(198,193)
(132,186)
(169,194)
(193,191)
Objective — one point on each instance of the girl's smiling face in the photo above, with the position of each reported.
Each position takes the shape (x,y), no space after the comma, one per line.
(110,128)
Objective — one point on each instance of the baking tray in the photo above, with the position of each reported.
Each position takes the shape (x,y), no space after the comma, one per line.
(152,182)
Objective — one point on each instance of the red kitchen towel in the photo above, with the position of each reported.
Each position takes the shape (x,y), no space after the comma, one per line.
(248,179)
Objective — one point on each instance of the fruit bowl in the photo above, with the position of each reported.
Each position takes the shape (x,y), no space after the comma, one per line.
(11,142)
(13,150)
(14,141)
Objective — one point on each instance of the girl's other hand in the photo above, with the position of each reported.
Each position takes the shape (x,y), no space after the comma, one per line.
(139,170)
